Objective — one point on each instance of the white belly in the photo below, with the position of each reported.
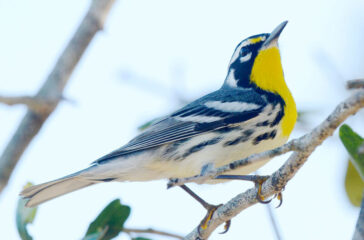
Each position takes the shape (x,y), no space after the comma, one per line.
(188,157)
(177,166)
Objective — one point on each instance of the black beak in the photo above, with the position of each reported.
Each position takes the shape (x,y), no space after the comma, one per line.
(275,34)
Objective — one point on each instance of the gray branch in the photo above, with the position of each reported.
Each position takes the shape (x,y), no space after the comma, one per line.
(355,83)
(359,229)
(302,149)
(32,103)
(52,89)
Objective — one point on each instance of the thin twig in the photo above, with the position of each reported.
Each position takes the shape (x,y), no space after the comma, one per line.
(151,231)
(272,218)
(273,221)
(303,147)
(359,228)
(53,87)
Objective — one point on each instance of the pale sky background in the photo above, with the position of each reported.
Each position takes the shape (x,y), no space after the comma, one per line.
(168,47)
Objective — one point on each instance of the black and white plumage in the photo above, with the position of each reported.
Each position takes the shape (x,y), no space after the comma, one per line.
(231,123)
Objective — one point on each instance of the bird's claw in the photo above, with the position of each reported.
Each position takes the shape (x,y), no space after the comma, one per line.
(207,218)
(226,227)
(205,221)
(259,181)
(280,198)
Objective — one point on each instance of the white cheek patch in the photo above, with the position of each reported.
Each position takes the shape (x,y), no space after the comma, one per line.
(246,58)
(230,79)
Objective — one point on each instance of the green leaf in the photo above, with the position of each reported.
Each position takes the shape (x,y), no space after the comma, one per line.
(148,124)
(109,223)
(97,235)
(24,216)
(354,185)
(141,238)
(352,142)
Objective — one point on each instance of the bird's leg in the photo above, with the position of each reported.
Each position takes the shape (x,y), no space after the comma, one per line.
(209,207)
(258,180)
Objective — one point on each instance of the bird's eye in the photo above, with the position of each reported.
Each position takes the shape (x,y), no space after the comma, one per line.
(244,51)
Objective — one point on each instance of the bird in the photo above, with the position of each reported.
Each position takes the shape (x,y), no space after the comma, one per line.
(253,111)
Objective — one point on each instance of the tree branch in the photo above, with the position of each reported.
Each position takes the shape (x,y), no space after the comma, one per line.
(355,83)
(359,228)
(151,231)
(34,104)
(302,149)
(52,89)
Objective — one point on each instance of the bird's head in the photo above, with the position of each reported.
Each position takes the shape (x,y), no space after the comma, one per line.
(257,62)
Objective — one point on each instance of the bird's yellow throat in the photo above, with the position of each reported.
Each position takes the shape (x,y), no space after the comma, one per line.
(267,74)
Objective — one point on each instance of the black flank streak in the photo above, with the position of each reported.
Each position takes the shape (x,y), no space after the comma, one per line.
(244,137)
(262,124)
(201,146)
(273,134)
(108,179)
(265,136)
(278,118)
(174,146)
(232,166)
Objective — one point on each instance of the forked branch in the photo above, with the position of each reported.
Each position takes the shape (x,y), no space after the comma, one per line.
(52,89)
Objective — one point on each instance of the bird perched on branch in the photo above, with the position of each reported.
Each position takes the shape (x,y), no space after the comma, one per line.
(252,112)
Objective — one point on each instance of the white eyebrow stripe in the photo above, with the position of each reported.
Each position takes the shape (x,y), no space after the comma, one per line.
(237,51)
(231,106)
(245,58)
(245,43)
(198,118)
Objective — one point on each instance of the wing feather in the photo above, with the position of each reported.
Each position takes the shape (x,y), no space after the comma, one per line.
(179,125)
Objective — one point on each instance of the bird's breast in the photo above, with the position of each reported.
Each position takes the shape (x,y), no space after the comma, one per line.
(187,157)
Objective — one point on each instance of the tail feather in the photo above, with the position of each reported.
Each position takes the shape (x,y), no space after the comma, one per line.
(43,192)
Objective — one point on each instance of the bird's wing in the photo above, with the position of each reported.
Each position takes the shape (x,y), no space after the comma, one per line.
(203,115)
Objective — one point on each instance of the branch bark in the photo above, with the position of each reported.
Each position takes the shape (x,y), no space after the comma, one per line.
(302,149)
(355,83)
(52,89)
(32,103)
(359,228)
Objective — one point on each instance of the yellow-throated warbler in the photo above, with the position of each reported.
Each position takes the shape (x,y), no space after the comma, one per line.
(252,112)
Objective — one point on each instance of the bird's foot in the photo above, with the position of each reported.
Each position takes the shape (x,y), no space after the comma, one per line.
(210,211)
(258,180)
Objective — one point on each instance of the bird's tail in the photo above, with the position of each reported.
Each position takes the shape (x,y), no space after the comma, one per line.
(43,192)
